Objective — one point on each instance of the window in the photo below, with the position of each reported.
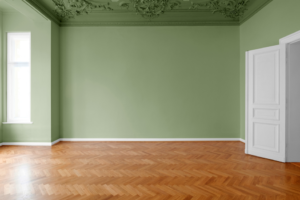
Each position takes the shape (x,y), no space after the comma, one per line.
(18,77)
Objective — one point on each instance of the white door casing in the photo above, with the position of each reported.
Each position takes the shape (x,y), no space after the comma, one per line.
(266,102)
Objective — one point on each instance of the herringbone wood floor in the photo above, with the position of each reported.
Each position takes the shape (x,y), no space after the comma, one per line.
(164,170)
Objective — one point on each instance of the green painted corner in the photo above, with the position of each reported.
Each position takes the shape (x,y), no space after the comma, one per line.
(43,11)
(55,82)
(255,7)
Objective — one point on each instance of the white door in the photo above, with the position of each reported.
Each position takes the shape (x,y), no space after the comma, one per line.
(265,102)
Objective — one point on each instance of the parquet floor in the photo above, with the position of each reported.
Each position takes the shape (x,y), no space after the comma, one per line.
(144,171)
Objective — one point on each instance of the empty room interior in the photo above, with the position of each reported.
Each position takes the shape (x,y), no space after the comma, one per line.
(150,99)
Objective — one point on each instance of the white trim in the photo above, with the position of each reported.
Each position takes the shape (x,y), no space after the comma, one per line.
(287,106)
(54,142)
(246,102)
(146,139)
(26,144)
(244,141)
(122,140)
(287,41)
(17,122)
(292,38)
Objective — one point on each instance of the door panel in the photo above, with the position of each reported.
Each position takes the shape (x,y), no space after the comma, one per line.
(265,102)
(265,136)
(266,78)
(267,114)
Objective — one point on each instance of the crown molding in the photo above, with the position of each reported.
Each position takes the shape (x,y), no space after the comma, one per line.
(147,23)
(201,17)
(169,11)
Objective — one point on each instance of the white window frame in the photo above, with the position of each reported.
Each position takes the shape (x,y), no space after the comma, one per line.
(9,108)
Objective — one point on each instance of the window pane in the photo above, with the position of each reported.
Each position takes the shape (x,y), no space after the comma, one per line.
(20,48)
(18,79)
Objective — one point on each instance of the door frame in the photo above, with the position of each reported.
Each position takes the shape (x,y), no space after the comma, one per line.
(292,38)
(287,40)
(246,103)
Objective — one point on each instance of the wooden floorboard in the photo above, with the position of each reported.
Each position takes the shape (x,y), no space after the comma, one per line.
(297,164)
(142,171)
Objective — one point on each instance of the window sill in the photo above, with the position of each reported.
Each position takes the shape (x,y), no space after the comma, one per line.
(17,122)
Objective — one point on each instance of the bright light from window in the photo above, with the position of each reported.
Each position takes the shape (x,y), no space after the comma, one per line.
(18,77)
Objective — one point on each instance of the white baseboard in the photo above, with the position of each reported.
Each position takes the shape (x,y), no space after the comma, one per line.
(146,139)
(242,140)
(122,140)
(26,144)
(56,141)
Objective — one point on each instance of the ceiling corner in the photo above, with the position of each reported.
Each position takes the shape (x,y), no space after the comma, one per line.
(258,5)
(42,10)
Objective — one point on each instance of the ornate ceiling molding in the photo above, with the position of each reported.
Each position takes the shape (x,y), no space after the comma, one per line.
(153,8)
(124,14)
(147,23)
(149,9)
(66,9)
(233,9)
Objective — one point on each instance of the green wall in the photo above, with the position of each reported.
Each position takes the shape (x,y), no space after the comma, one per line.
(149,82)
(1,76)
(278,19)
(40,130)
(55,57)
(140,82)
